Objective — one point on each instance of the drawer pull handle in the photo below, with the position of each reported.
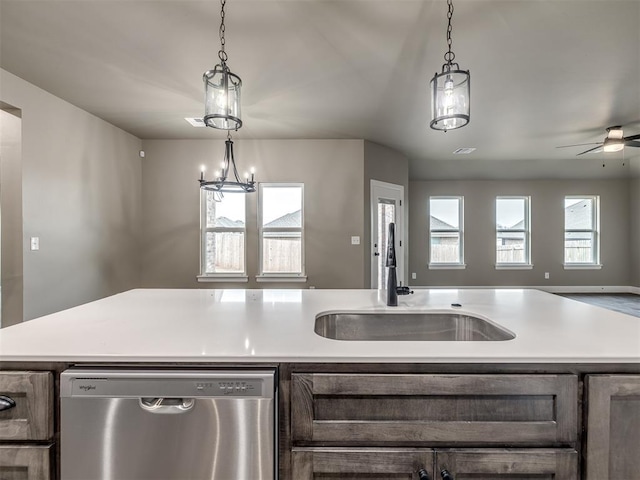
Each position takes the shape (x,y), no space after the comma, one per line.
(6,403)
(446,475)
(423,475)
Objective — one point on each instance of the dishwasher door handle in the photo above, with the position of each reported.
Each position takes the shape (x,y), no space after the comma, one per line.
(167,405)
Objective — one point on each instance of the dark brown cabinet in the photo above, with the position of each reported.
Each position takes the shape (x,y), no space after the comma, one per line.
(361,463)
(509,464)
(613,427)
(27,421)
(389,426)
(437,409)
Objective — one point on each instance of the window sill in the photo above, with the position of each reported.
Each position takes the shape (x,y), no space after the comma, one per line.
(514,266)
(223,278)
(281,278)
(447,266)
(582,266)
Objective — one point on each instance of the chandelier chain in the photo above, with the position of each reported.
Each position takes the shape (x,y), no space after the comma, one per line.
(222,55)
(449,57)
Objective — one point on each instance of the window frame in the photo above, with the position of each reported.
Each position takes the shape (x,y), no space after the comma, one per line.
(205,276)
(460,230)
(527,264)
(594,231)
(288,276)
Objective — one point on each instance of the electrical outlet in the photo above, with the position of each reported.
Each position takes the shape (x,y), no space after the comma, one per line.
(413,276)
(355,240)
(35,243)
(546,275)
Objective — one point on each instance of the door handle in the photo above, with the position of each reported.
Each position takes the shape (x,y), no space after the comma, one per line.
(6,403)
(167,405)
(376,254)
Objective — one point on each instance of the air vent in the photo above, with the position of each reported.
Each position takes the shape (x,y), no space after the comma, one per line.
(464,151)
(196,122)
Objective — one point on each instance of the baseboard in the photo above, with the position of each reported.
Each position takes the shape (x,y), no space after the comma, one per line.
(544,288)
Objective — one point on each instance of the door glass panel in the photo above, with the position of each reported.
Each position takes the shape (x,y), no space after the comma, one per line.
(386,215)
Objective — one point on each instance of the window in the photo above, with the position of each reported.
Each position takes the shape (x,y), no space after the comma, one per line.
(222,236)
(281,230)
(513,232)
(581,231)
(446,232)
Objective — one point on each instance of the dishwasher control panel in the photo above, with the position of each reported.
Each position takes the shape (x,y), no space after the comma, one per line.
(231,388)
(161,383)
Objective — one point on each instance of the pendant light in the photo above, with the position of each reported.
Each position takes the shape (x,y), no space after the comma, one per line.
(450,90)
(221,182)
(222,90)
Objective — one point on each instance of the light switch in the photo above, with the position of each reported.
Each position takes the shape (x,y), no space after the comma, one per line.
(355,240)
(413,276)
(35,243)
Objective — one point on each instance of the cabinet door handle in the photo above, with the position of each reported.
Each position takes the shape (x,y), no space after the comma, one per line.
(6,402)
(423,475)
(446,475)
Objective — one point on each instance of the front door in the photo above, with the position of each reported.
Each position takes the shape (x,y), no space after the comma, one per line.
(386,207)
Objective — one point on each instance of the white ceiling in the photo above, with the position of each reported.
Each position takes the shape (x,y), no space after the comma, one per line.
(544,73)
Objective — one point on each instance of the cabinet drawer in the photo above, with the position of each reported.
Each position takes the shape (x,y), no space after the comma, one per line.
(467,410)
(362,463)
(498,464)
(25,463)
(32,417)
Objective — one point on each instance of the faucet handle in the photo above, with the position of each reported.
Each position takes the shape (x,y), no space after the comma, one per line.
(403,290)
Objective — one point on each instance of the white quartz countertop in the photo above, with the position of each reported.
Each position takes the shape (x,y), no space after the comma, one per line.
(155,325)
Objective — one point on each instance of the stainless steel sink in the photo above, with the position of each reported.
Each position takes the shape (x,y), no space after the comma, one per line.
(409,326)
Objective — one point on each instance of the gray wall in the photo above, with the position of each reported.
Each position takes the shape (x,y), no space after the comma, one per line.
(11,280)
(547,220)
(331,171)
(81,183)
(634,210)
(386,165)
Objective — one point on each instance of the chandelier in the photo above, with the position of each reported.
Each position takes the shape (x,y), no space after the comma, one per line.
(450,90)
(221,182)
(222,111)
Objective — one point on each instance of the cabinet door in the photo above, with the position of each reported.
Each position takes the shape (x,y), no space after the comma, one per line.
(32,416)
(25,462)
(360,464)
(613,427)
(442,410)
(508,464)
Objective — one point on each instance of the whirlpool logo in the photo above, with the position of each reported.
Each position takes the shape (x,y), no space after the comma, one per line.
(87,388)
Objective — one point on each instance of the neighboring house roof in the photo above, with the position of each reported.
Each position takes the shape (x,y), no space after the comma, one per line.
(225,222)
(437,224)
(290,220)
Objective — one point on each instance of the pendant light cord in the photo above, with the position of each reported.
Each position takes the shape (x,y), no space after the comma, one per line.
(222,55)
(449,57)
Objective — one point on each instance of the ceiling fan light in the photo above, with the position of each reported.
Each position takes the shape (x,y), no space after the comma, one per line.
(613,145)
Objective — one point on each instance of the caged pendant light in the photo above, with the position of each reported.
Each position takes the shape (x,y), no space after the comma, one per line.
(450,90)
(222,90)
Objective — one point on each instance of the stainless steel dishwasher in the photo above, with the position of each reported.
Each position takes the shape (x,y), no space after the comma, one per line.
(168,424)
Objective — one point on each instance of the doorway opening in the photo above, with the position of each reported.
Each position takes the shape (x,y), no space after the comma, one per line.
(387,206)
(11,262)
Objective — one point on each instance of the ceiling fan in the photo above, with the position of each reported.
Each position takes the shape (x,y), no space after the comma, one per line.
(613,142)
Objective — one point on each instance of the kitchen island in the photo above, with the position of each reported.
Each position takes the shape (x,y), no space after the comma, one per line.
(560,400)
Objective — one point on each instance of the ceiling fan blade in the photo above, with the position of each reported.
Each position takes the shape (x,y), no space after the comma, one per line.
(593,150)
(631,143)
(632,137)
(579,145)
